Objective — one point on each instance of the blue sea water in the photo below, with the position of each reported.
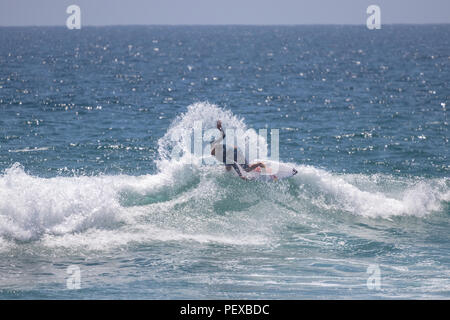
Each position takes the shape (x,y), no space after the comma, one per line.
(87,120)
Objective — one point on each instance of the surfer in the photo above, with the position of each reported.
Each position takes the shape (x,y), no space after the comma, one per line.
(235,153)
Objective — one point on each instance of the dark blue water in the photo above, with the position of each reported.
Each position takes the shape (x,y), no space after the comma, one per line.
(87,119)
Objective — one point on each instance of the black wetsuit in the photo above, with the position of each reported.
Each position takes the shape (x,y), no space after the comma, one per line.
(234,165)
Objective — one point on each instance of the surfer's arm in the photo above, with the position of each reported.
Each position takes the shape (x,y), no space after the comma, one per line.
(254,166)
(215,143)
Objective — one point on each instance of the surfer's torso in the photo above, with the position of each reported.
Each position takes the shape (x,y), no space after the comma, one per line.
(229,156)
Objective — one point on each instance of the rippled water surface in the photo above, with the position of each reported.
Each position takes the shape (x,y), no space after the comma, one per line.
(88,177)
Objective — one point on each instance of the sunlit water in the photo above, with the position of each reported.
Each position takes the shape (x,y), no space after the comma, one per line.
(87,177)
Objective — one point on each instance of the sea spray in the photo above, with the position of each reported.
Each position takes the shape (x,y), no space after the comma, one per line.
(189,200)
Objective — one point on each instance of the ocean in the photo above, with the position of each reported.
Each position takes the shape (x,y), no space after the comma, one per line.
(95,203)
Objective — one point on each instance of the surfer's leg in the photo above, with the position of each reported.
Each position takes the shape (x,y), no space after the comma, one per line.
(238,156)
(237,169)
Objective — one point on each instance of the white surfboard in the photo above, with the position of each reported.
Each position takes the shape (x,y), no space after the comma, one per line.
(272,172)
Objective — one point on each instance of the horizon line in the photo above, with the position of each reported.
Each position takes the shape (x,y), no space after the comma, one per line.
(227,25)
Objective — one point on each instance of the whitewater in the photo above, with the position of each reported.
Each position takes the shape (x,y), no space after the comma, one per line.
(40,209)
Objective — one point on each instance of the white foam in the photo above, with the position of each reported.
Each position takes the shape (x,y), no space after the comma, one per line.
(86,211)
(64,211)
(418,198)
(178,136)
(97,239)
(31,206)
(30,149)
